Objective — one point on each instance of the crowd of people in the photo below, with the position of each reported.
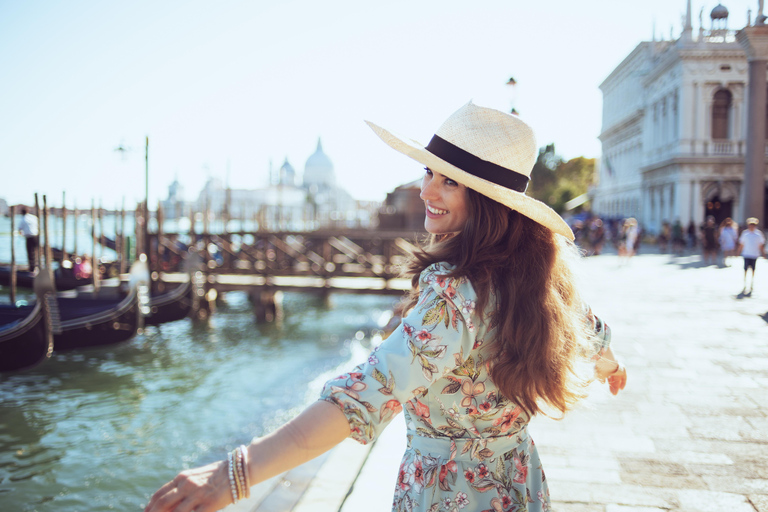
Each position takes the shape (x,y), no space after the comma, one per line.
(717,243)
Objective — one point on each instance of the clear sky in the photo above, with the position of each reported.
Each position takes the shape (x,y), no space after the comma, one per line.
(224,88)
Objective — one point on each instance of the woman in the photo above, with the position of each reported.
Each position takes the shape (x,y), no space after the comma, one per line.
(728,238)
(629,239)
(491,337)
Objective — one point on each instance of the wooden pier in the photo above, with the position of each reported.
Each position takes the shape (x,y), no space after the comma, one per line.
(265,263)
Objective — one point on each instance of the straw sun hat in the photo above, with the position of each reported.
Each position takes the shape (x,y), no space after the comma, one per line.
(488,151)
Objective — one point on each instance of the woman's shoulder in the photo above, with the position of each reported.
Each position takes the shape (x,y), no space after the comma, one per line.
(438,277)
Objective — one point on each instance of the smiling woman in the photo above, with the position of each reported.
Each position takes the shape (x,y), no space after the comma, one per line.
(446,203)
(492,331)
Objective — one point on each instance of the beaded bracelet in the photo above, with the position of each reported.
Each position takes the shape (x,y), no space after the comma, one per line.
(237,461)
(232,485)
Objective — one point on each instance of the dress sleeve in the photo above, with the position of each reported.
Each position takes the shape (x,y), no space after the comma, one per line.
(601,339)
(429,341)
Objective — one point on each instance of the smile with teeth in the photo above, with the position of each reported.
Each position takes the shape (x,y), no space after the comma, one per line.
(436,211)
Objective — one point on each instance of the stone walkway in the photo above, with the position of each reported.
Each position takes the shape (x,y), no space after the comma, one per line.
(689,433)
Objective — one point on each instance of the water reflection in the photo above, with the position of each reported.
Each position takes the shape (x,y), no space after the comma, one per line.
(103,428)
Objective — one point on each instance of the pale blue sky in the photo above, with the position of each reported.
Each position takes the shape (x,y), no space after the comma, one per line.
(237,83)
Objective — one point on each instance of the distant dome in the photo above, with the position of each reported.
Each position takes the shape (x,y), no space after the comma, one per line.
(720,12)
(319,169)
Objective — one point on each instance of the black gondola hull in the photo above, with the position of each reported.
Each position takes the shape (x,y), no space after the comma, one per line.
(171,306)
(26,343)
(113,325)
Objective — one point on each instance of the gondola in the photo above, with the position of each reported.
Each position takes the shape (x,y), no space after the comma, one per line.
(96,321)
(172,305)
(26,332)
(64,279)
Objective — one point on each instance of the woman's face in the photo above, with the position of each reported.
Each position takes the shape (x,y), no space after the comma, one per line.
(446,203)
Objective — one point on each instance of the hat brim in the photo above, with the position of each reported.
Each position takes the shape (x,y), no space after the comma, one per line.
(526,205)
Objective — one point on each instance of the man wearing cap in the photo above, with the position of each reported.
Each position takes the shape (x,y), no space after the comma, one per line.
(751,246)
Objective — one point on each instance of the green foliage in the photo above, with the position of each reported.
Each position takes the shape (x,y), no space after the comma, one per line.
(555,182)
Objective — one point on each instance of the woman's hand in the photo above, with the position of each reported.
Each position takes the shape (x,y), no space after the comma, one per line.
(204,489)
(607,367)
(618,379)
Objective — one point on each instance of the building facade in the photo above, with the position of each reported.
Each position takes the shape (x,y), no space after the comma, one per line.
(288,202)
(674,129)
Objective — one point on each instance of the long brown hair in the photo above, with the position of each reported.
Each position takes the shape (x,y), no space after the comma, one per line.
(541,326)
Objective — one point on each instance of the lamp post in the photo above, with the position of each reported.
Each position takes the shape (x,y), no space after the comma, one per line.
(511,83)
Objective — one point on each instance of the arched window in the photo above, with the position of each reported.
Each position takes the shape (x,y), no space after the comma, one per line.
(721,109)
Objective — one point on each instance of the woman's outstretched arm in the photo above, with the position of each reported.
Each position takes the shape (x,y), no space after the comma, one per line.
(206,489)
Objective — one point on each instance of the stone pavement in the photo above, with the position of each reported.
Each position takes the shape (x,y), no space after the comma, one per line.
(689,433)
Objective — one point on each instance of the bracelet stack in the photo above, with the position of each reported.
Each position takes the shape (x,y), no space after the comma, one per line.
(238,474)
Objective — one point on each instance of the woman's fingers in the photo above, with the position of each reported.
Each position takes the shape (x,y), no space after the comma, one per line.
(164,499)
(618,380)
(205,488)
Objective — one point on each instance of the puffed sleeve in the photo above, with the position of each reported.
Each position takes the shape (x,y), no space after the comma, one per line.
(413,357)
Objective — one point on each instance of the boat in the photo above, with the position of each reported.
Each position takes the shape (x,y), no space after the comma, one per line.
(172,305)
(26,331)
(104,320)
(64,279)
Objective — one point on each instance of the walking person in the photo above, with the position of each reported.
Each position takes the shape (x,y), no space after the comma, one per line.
(628,239)
(30,228)
(709,240)
(492,332)
(751,247)
(678,238)
(728,238)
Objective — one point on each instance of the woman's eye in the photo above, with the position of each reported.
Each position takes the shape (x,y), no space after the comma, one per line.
(428,171)
(451,183)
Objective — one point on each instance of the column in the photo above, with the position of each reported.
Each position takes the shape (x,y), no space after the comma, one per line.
(696,117)
(697,204)
(754,40)
(682,202)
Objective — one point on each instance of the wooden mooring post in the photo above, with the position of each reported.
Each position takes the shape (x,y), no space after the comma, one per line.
(13,255)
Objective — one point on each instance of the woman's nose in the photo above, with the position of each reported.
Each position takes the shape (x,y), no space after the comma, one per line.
(427,189)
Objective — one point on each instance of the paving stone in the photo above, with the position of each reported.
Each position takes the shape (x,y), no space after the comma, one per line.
(737,485)
(558,506)
(624,508)
(759,501)
(634,495)
(710,501)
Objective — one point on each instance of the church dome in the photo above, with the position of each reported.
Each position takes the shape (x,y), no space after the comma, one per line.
(319,169)
(719,12)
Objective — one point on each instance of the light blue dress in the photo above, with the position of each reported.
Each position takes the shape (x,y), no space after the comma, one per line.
(468,446)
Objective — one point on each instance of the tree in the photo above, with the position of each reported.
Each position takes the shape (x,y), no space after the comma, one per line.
(555,182)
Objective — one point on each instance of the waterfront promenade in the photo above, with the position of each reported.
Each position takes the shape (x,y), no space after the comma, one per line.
(689,432)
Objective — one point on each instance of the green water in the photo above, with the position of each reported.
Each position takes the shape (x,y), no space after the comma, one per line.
(102,429)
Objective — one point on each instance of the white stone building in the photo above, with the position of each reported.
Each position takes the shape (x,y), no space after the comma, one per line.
(674,129)
(286,203)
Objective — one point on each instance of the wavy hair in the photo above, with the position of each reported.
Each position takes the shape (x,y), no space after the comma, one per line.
(525,270)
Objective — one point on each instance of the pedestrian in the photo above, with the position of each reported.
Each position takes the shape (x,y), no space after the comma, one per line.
(751,247)
(628,239)
(709,240)
(492,331)
(597,236)
(691,236)
(727,238)
(664,236)
(29,228)
(678,238)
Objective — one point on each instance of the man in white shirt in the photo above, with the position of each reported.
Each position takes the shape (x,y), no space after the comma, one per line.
(751,247)
(28,226)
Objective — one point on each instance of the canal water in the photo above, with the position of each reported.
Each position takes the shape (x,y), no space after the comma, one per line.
(102,429)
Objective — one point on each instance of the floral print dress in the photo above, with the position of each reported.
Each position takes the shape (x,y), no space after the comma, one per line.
(468,446)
